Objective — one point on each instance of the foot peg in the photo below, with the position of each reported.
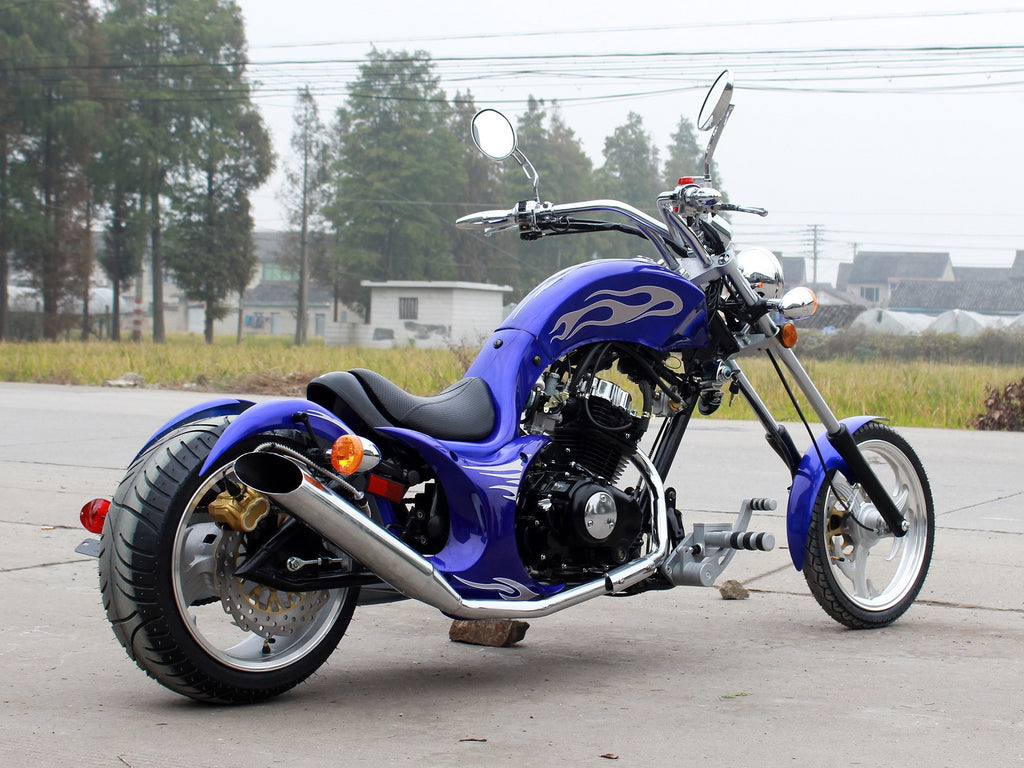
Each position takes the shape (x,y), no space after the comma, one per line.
(759,542)
(702,556)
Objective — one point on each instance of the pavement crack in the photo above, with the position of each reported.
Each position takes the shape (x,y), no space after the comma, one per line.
(967,606)
(47,526)
(766,574)
(42,565)
(919,601)
(981,503)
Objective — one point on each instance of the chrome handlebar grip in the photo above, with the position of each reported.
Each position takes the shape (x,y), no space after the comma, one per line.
(487,221)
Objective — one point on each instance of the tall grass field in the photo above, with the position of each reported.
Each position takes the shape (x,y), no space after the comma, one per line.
(914,393)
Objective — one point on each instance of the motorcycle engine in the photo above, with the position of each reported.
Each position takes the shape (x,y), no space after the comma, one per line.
(572,520)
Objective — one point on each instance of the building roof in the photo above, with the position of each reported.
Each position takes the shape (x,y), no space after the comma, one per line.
(271,246)
(970,274)
(1017,270)
(794,270)
(984,296)
(883,266)
(832,316)
(274,294)
(432,284)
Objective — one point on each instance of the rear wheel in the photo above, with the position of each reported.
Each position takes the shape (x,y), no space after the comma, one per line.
(861,574)
(167,574)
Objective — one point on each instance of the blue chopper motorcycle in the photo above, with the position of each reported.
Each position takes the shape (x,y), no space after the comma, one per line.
(233,552)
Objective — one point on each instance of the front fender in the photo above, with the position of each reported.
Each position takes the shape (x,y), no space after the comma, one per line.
(807,483)
(273,415)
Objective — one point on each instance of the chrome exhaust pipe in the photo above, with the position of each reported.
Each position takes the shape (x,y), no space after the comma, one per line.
(405,569)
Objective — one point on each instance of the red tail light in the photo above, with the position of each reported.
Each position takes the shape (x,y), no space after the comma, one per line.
(93,514)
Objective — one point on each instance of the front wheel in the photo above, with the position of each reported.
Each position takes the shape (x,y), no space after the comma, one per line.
(167,574)
(862,575)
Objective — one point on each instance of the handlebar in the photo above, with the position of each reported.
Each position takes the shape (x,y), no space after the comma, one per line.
(530,214)
(673,238)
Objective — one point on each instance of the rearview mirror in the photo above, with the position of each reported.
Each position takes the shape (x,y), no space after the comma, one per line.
(716,103)
(493,134)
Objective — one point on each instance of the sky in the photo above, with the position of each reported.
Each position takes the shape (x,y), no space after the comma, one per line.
(886,125)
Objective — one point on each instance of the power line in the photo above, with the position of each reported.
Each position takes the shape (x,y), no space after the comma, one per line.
(562,32)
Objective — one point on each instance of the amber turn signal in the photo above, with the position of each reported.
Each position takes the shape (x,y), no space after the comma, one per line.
(351,454)
(787,335)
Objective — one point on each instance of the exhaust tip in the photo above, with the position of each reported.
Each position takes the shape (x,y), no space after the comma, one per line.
(268,473)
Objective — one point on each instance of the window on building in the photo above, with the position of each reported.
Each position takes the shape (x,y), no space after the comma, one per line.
(870,293)
(408,308)
(273,272)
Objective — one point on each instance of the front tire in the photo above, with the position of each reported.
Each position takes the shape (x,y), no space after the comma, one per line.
(169,590)
(858,585)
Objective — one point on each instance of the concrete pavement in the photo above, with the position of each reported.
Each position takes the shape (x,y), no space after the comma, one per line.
(680,677)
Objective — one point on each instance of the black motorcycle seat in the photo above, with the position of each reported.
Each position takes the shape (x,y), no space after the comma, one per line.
(464,411)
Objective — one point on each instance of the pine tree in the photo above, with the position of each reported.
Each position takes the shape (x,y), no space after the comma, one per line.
(398,167)
(45,186)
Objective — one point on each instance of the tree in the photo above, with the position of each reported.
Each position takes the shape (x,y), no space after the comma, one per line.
(475,256)
(212,253)
(175,59)
(305,193)
(631,172)
(45,189)
(566,175)
(397,169)
(686,157)
(118,180)
(121,255)
(17,46)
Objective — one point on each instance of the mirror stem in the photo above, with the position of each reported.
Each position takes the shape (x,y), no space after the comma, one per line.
(713,143)
(529,170)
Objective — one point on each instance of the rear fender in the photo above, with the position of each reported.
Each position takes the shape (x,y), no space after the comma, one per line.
(222,406)
(810,477)
(274,415)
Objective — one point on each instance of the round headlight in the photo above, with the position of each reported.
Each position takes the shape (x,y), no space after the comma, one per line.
(763,271)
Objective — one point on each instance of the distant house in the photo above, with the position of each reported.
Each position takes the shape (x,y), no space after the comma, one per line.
(794,270)
(976,274)
(982,274)
(425,313)
(873,274)
(989,297)
(270,309)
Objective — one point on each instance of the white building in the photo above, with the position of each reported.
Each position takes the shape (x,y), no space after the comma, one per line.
(424,313)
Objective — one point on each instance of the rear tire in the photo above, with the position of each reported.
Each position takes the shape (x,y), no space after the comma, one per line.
(167,579)
(858,587)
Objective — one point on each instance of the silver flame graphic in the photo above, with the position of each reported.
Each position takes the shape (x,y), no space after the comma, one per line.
(510,473)
(506,589)
(608,311)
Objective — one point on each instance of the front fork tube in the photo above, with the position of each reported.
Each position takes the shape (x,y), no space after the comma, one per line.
(667,443)
(838,436)
(778,436)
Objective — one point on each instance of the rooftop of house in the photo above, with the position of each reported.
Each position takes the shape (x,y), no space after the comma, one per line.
(273,294)
(434,284)
(872,267)
(832,316)
(985,296)
(794,269)
(977,274)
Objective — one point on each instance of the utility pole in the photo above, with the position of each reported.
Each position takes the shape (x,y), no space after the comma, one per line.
(815,233)
(302,316)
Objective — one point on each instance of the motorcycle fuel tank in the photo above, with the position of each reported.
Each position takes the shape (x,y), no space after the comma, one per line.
(632,300)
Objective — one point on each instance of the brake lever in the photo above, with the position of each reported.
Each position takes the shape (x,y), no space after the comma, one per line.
(741,209)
